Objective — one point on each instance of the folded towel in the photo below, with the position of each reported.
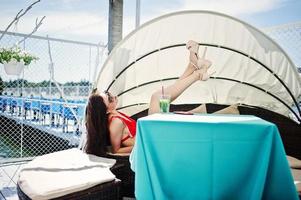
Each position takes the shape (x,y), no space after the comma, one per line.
(64,172)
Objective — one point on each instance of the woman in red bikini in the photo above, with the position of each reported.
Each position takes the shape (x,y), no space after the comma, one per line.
(106,126)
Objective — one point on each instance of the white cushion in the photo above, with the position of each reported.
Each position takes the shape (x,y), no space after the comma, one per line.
(294,162)
(297,179)
(64,172)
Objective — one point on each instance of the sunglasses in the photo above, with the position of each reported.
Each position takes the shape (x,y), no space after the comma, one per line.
(110,96)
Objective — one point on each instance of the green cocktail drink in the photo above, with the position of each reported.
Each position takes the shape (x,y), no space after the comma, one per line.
(164,104)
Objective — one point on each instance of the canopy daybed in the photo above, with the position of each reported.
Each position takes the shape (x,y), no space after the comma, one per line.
(251,69)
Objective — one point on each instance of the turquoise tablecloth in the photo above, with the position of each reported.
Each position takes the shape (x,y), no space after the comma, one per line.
(210,157)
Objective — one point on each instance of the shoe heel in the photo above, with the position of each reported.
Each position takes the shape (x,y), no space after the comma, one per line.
(203,63)
(204,53)
(192,46)
(206,76)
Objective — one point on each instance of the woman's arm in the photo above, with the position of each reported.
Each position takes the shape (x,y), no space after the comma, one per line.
(116,132)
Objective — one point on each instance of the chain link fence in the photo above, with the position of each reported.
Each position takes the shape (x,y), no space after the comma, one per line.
(42,109)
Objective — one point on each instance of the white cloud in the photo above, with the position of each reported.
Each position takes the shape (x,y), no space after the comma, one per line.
(58,24)
(129,24)
(233,7)
(236,8)
(78,23)
(70,1)
(90,25)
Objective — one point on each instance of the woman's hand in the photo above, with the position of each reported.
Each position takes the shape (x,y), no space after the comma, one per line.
(124,150)
(129,142)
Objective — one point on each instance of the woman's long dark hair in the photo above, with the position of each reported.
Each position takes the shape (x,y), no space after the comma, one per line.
(97,126)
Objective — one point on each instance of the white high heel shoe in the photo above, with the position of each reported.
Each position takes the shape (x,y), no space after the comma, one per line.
(201,64)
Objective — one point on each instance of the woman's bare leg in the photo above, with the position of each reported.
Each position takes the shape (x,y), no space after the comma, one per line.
(174,90)
(233,109)
(188,71)
(189,76)
(200,109)
(190,68)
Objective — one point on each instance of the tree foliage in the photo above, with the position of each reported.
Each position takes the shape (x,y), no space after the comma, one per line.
(45,83)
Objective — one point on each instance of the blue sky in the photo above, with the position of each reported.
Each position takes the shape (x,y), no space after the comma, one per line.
(87,20)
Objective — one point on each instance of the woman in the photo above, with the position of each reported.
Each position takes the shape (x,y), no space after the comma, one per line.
(106,126)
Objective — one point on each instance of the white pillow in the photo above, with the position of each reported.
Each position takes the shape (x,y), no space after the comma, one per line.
(64,172)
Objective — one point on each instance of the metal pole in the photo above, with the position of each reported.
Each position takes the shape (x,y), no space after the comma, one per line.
(137,13)
(89,64)
(50,96)
(22,107)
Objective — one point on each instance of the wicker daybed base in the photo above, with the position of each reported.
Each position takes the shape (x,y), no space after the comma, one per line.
(123,172)
(105,191)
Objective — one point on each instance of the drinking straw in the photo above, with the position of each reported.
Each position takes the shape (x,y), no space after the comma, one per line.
(162,90)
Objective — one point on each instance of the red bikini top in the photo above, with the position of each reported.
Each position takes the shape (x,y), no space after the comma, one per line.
(129,122)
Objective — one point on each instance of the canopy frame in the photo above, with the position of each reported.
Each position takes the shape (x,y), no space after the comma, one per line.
(226,48)
(220,78)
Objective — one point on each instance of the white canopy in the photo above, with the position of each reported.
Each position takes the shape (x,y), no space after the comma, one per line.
(250,67)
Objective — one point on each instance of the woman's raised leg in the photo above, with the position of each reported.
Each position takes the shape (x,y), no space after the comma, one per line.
(190,68)
(189,76)
(174,90)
